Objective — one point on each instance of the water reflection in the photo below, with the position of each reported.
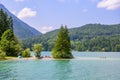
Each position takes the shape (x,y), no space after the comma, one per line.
(62,70)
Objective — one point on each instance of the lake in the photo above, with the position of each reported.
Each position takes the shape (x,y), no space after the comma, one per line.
(73,69)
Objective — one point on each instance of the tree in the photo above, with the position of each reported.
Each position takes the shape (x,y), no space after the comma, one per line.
(117,48)
(10,44)
(62,47)
(37,48)
(2,54)
(5,22)
(8,41)
(26,53)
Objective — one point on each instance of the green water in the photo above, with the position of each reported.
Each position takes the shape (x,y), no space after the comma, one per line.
(61,69)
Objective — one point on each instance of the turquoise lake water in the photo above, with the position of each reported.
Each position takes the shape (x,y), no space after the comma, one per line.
(63,69)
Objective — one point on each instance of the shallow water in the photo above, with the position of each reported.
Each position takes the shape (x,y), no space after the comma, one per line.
(62,69)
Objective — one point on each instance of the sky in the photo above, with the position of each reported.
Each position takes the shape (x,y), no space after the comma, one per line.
(47,15)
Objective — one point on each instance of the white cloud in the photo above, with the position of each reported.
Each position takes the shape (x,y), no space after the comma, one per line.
(19,0)
(26,13)
(45,29)
(109,4)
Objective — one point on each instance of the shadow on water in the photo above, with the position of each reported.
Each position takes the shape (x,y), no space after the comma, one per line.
(62,70)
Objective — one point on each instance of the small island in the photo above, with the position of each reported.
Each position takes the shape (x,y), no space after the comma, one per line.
(62,48)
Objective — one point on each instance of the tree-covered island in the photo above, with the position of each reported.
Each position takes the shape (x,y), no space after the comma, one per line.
(62,48)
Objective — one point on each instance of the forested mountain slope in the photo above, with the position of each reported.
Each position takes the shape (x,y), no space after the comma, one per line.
(88,31)
(90,37)
(21,29)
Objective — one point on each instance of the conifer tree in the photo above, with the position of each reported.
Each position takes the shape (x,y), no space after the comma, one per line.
(62,48)
(5,22)
(9,43)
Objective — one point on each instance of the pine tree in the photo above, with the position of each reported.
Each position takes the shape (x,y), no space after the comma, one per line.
(9,43)
(62,48)
(5,22)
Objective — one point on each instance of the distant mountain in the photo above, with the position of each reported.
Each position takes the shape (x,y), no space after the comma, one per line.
(91,37)
(87,32)
(21,29)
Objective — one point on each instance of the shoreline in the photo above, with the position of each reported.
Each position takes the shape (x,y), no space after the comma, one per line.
(76,58)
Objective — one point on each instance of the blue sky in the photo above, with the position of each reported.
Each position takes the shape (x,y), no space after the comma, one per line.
(47,15)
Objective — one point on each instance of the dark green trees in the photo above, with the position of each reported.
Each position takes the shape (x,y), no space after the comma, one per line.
(5,22)
(62,48)
(9,44)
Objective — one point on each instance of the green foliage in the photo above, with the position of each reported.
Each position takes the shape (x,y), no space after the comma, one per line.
(10,44)
(37,48)
(62,48)
(5,22)
(90,37)
(2,54)
(98,44)
(26,53)
(117,48)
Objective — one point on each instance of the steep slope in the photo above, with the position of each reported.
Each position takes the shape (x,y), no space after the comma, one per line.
(21,29)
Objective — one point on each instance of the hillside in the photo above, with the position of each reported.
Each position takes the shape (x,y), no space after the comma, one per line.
(88,31)
(21,29)
(88,37)
(94,30)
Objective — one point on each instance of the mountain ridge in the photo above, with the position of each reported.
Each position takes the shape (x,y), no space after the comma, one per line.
(90,29)
(82,35)
(21,29)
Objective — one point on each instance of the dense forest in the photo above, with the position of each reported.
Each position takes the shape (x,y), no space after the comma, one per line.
(90,37)
(9,44)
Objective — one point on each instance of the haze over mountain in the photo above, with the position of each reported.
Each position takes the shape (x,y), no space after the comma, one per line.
(21,29)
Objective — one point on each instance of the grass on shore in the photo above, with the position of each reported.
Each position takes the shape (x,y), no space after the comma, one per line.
(7,58)
(10,57)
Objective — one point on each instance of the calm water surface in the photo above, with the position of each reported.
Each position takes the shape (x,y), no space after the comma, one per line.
(63,69)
